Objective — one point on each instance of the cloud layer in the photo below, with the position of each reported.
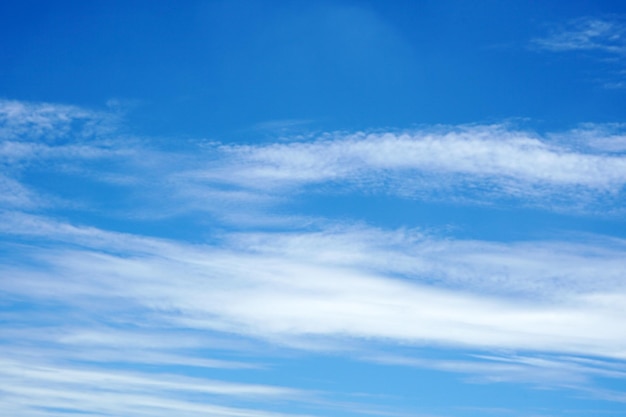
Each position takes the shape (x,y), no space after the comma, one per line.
(537,296)
(580,170)
(95,308)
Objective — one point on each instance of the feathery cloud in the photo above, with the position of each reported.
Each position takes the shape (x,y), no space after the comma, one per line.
(587,34)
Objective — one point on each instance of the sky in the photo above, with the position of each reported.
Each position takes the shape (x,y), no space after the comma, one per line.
(297,209)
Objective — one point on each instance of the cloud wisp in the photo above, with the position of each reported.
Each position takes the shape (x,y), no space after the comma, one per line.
(467,164)
(602,38)
(351,283)
(52,122)
(92,307)
(33,389)
(587,34)
(578,170)
(354,289)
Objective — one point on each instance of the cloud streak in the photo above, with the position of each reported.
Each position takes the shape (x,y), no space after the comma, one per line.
(103,307)
(52,122)
(579,170)
(34,389)
(341,284)
(475,162)
(587,34)
(603,38)
(551,305)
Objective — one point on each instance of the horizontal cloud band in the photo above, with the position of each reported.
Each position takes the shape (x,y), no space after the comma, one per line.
(356,283)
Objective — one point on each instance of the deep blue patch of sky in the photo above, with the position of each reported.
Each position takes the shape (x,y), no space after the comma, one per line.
(211,68)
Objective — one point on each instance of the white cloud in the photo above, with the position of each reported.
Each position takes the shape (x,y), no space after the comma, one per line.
(132,382)
(14,194)
(322,286)
(103,344)
(363,284)
(602,38)
(543,372)
(587,34)
(21,120)
(477,162)
(608,137)
(579,170)
(32,389)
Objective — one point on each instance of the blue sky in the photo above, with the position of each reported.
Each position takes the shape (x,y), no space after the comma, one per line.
(335,208)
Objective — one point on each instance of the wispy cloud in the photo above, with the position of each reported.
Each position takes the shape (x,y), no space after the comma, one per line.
(577,170)
(478,163)
(587,34)
(32,389)
(90,307)
(483,152)
(545,371)
(603,38)
(349,283)
(607,137)
(52,122)
(550,305)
